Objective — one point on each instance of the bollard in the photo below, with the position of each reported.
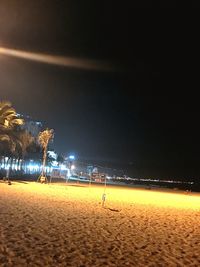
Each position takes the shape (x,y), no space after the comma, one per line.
(103,199)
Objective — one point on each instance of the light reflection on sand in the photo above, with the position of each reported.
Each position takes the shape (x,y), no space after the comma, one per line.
(66,226)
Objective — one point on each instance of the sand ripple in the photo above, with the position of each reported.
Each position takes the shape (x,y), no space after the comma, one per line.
(43,225)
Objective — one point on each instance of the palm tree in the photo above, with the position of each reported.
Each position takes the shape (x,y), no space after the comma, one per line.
(8,122)
(26,140)
(43,139)
(8,116)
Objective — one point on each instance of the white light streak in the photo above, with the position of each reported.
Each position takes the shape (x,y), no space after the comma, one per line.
(85,64)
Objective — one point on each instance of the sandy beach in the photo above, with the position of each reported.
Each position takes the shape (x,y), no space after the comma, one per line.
(60,225)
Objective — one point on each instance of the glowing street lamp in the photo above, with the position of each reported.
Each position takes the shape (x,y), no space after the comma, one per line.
(73,167)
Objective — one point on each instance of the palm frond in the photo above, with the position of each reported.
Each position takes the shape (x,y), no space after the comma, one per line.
(44,137)
(8,116)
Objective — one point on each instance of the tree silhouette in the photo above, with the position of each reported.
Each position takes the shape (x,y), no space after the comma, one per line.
(43,139)
(9,121)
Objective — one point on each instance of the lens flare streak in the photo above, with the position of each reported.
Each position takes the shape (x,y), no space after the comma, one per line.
(72,62)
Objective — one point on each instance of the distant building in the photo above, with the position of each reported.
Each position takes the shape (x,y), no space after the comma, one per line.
(30,125)
(90,169)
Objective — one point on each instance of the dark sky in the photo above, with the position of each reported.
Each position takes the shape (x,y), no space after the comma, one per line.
(143,115)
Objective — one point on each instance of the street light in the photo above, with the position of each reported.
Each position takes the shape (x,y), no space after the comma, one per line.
(73,167)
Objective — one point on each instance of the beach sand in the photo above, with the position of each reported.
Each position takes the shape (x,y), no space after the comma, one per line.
(60,225)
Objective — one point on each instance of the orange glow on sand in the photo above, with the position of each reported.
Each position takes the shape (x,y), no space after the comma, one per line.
(117,196)
(55,225)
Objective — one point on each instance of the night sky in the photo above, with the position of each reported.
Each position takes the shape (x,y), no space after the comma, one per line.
(142,115)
